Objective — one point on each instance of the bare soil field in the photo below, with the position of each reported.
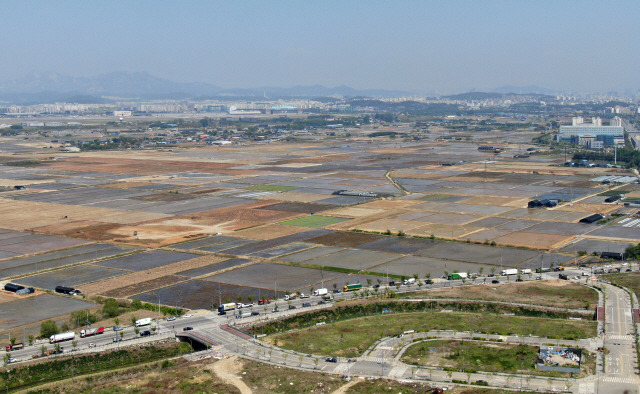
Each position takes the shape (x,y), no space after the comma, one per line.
(134,278)
(344,239)
(268,231)
(143,287)
(146,166)
(533,240)
(557,293)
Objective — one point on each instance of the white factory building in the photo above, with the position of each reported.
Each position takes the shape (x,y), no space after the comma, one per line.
(594,134)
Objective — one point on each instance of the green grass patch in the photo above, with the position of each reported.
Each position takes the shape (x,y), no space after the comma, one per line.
(45,372)
(435,197)
(610,193)
(313,221)
(342,270)
(23,163)
(350,338)
(473,356)
(271,188)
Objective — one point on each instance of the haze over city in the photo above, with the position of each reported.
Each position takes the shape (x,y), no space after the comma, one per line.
(415,46)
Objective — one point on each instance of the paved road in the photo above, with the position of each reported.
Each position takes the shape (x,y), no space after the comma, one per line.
(621,364)
(382,360)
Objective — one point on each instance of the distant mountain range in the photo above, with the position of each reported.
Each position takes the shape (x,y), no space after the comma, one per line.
(51,87)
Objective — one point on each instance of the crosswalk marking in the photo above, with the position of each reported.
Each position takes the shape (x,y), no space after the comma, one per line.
(620,337)
(615,379)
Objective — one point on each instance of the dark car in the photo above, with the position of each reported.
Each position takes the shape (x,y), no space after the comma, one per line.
(306,304)
(331,360)
(187,329)
(321,302)
(519,280)
(255,313)
(336,291)
(495,281)
(392,283)
(376,286)
(292,307)
(491,275)
(145,333)
(428,282)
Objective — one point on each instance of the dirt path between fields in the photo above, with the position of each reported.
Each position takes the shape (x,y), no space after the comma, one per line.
(225,368)
(343,389)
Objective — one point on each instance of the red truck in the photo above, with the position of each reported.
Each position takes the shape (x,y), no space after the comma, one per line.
(15,346)
(264,301)
(91,331)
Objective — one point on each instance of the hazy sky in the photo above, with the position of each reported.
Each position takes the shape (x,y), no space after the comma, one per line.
(421,46)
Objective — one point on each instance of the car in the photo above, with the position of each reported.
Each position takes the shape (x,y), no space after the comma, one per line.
(336,291)
(118,328)
(627,270)
(538,277)
(495,281)
(275,310)
(625,264)
(331,359)
(576,277)
(116,339)
(187,315)
(255,313)
(145,333)
(376,286)
(306,304)
(171,318)
(92,344)
(428,282)
(187,328)
(519,280)
(321,302)
(292,307)
(491,275)
(583,266)
(12,360)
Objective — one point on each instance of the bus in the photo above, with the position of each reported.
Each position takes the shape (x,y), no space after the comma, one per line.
(355,286)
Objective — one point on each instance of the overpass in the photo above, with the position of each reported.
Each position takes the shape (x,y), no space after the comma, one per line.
(199,340)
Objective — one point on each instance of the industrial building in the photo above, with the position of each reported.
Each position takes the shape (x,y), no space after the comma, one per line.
(593,135)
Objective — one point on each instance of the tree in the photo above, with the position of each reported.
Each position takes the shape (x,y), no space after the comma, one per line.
(335,286)
(315,362)
(116,321)
(13,341)
(493,270)
(133,320)
(251,297)
(121,334)
(74,343)
(111,308)
(48,328)
(481,270)
(31,338)
(43,350)
(57,348)
(369,282)
(136,304)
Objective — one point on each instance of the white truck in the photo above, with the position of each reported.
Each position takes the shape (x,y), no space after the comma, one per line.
(227,307)
(510,271)
(320,292)
(409,281)
(65,336)
(143,322)
(525,271)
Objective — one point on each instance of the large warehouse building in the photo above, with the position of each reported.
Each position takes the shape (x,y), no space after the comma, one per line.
(594,134)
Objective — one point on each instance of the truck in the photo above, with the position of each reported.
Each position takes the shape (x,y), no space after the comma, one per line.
(227,307)
(458,275)
(15,346)
(288,297)
(352,287)
(409,281)
(65,336)
(91,332)
(320,292)
(67,290)
(525,271)
(510,271)
(264,301)
(143,322)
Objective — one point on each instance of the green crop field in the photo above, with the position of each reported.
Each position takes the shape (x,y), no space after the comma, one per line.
(271,188)
(313,221)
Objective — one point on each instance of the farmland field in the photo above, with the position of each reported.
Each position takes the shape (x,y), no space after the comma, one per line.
(313,221)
